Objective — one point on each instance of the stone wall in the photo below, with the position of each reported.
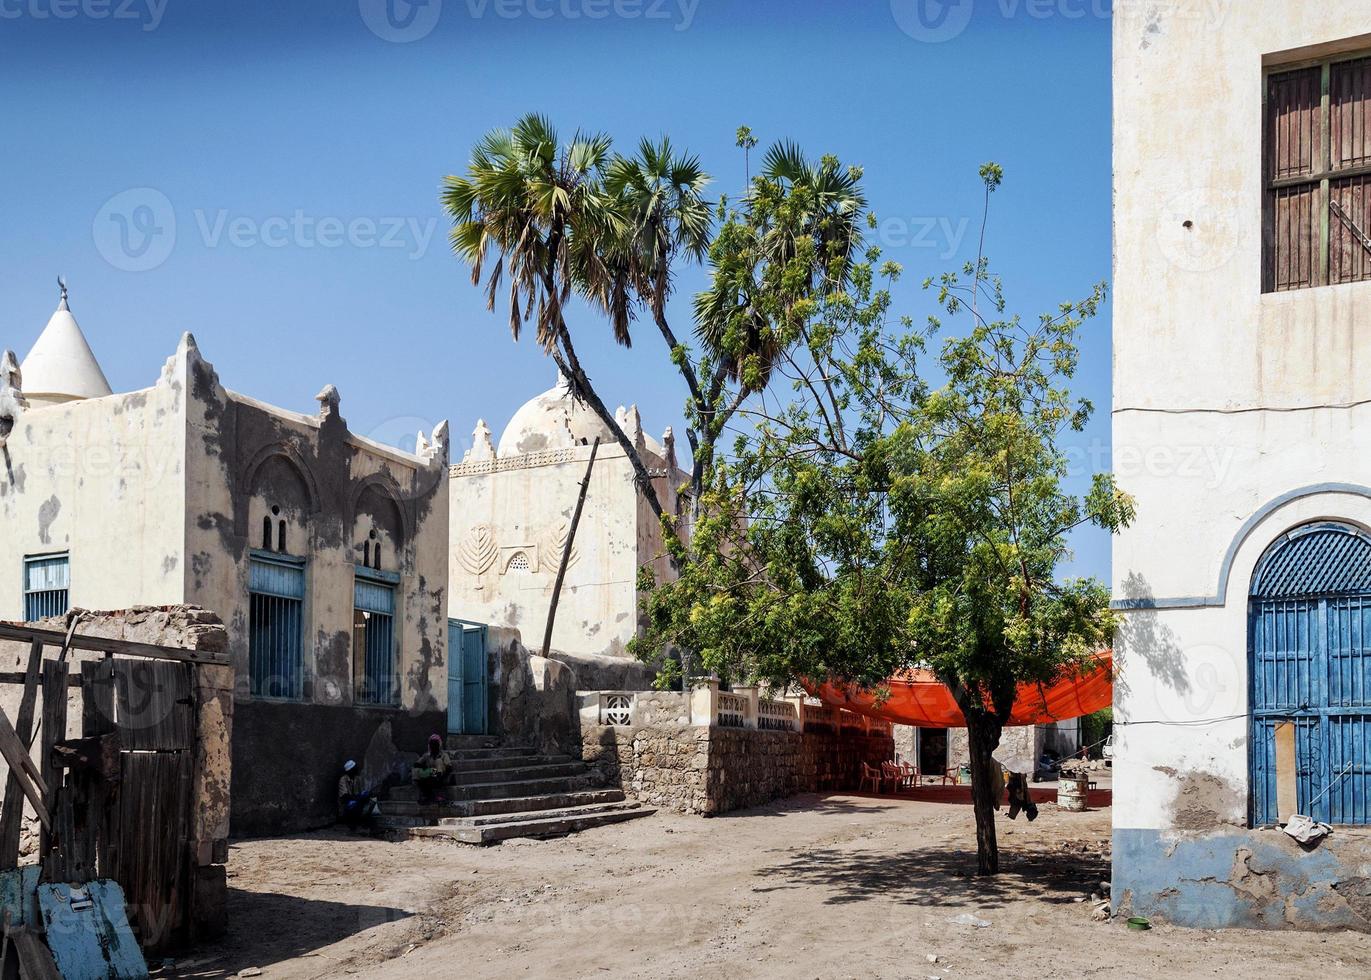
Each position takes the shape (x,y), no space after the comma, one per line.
(714,770)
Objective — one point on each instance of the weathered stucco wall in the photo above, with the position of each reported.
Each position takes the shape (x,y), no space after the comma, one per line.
(1202,360)
(104,480)
(711,770)
(160,497)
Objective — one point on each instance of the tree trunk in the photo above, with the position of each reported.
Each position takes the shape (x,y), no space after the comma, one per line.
(983,738)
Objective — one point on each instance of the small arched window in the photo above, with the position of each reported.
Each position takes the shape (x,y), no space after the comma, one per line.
(281,536)
(519,563)
(375,552)
(266,534)
(366,554)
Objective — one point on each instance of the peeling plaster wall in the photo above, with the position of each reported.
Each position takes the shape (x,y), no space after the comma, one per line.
(103,480)
(507,506)
(1201,356)
(332,490)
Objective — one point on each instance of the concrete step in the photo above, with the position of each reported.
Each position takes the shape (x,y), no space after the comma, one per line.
(569,822)
(581,779)
(508,762)
(473,742)
(411,814)
(553,813)
(487,751)
(519,774)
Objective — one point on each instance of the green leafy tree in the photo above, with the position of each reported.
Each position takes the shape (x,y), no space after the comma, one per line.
(893,514)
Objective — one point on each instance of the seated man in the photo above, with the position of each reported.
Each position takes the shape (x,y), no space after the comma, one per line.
(357,808)
(432,770)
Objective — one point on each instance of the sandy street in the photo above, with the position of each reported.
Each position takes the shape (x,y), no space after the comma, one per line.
(835,886)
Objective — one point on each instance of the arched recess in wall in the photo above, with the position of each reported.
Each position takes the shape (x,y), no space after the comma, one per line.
(278,501)
(381,530)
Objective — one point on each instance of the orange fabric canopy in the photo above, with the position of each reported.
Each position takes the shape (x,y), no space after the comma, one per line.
(918,698)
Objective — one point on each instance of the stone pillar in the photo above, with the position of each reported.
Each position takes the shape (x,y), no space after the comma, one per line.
(799,701)
(752,697)
(704,700)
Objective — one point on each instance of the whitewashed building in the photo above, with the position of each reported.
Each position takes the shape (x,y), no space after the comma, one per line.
(512,505)
(1242,426)
(323,552)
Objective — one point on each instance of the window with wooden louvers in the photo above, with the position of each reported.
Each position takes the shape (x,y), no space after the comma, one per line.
(1317,153)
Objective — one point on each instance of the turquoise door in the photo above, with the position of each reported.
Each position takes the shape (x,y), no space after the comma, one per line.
(466,678)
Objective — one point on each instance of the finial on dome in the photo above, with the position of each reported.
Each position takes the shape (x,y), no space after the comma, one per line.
(62,285)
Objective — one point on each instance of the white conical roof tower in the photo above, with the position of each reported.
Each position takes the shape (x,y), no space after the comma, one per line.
(61,366)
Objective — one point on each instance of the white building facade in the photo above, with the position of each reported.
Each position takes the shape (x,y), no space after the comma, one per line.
(511,509)
(324,553)
(1242,427)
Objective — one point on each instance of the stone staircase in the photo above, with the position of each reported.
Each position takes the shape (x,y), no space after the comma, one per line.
(503,791)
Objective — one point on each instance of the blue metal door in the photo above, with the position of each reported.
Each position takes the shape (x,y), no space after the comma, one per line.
(466,678)
(1309,651)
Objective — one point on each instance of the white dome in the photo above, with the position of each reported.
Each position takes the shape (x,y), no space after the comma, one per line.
(552,420)
(61,366)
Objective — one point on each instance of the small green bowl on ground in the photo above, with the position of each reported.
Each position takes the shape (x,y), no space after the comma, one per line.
(1139,923)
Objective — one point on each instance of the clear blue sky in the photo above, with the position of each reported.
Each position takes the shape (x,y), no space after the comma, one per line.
(284,160)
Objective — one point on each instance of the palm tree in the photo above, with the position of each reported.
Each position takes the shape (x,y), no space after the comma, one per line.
(541,207)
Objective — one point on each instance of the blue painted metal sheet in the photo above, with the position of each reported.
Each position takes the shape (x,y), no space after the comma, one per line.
(88,932)
(1309,633)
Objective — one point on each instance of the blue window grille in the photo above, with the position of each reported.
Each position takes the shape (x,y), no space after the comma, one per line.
(375,670)
(47,586)
(1309,639)
(276,626)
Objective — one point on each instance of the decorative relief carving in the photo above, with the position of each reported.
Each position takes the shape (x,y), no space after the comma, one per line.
(478,550)
(554,540)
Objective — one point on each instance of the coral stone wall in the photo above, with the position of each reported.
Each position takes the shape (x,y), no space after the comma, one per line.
(709,771)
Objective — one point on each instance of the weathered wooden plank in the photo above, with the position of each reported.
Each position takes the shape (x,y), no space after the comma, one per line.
(30,779)
(12,817)
(155,705)
(17,677)
(97,698)
(54,731)
(34,959)
(128,648)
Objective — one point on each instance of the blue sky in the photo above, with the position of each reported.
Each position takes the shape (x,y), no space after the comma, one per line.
(265,174)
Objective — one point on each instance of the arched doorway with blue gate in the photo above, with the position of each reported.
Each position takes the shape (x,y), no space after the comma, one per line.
(1309,658)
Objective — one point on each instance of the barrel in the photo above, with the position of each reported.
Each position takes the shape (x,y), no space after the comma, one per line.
(1071,792)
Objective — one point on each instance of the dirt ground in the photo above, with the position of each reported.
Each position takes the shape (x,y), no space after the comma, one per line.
(834,886)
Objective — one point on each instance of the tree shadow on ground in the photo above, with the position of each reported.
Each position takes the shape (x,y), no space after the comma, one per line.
(267,927)
(808,803)
(942,876)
